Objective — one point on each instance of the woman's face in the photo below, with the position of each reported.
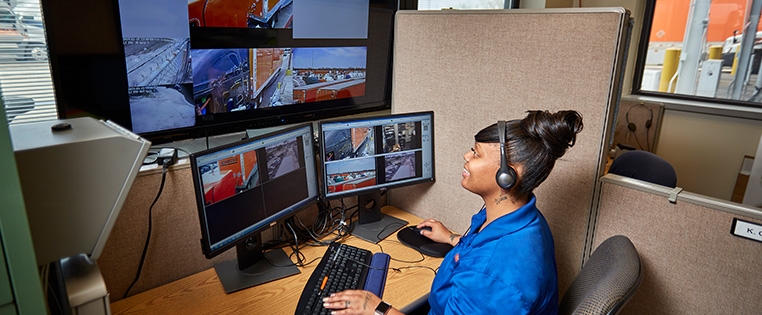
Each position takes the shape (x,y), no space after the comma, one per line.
(482,163)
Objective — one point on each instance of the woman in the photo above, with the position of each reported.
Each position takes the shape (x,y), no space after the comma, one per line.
(506,263)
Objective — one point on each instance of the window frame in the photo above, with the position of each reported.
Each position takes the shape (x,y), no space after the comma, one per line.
(714,105)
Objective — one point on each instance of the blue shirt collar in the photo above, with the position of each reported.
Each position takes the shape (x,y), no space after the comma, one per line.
(506,224)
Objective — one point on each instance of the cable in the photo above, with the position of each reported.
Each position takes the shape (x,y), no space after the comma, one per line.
(637,140)
(187,153)
(397,269)
(150,224)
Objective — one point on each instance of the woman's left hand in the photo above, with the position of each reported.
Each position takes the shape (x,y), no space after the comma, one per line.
(352,302)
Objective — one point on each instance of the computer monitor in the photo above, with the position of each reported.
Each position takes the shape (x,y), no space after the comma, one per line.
(245,187)
(364,156)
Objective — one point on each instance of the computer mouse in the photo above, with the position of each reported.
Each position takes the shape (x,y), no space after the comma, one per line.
(411,237)
(418,230)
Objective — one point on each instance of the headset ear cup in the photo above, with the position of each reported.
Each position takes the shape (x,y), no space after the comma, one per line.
(506,178)
(648,124)
(632,127)
(506,175)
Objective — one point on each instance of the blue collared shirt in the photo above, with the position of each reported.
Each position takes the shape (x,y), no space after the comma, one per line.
(509,267)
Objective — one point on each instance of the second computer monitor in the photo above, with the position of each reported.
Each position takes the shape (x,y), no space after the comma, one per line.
(244,188)
(365,156)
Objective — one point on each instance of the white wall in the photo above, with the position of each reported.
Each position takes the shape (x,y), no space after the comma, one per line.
(707,150)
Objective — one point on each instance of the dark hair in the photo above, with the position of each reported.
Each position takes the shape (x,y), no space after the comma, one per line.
(535,142)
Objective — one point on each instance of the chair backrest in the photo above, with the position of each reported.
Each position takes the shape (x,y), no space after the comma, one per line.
(607,281)
(645,166)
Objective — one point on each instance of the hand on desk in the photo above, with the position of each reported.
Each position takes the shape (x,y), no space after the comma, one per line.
(438,233)
(355,302)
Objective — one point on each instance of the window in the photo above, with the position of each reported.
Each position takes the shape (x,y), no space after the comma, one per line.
(25,81)
(694,49)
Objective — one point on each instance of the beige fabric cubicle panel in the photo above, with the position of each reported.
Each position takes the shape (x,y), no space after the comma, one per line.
(174,251)
(692,263)
(473,68)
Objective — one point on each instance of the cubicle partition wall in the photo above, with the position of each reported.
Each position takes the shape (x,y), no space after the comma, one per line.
(174,251)
(473,68)
(692,262)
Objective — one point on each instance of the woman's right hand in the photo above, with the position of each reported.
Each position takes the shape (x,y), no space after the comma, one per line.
(439,233)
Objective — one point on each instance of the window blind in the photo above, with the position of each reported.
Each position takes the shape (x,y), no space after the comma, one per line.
(25,81)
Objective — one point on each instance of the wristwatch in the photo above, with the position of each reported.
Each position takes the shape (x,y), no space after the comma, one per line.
(382,308)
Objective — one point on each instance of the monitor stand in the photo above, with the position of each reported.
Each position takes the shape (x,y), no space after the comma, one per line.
(258,267)
(372,225)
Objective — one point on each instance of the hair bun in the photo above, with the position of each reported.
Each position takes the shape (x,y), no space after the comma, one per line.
(557,131)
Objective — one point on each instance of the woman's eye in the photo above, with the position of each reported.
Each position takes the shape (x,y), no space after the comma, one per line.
(474,151)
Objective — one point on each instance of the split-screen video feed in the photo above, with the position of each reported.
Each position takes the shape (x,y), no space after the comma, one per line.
(356,157)
(307,18)
(170,84)
(229,80)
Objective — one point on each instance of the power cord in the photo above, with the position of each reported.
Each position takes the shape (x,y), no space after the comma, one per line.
(166,158)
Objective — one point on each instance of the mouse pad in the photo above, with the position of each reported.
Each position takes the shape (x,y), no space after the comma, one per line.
(411,238)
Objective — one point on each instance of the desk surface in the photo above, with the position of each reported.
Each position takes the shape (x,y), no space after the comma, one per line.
(202,293)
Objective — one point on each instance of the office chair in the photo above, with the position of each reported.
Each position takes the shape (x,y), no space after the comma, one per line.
(607,280)
(645,166)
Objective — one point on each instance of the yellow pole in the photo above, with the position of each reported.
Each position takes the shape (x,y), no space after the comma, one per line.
(715,52)
(735,61)
(668,69)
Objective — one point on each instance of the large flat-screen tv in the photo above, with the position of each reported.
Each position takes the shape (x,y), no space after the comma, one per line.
(176,69)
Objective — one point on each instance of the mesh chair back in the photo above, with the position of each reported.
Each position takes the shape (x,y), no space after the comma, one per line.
(607,281)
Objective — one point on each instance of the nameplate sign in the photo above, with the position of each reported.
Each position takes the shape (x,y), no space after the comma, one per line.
(745,229)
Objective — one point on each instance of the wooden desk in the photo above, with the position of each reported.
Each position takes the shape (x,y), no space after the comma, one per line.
(202,293)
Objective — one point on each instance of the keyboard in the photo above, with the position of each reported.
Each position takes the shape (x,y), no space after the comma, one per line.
(343,267)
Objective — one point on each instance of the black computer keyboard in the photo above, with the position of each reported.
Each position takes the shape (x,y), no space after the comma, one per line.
(343,267)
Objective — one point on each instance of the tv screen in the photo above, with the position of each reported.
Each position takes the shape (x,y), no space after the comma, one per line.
(177,69)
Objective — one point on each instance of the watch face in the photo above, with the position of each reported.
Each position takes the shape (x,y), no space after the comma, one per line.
(382,308)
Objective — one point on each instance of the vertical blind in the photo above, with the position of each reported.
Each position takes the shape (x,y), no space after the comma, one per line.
(25,81)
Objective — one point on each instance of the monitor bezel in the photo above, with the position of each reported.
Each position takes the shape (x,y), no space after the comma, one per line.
(325,195)
(264,224)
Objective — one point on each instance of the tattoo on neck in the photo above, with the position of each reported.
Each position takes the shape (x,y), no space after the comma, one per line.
(453,236)
(500,199)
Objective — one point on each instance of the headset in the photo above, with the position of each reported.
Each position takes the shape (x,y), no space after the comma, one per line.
(631,127)
(506,175)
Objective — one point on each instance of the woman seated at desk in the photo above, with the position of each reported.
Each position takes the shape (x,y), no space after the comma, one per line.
(506,264)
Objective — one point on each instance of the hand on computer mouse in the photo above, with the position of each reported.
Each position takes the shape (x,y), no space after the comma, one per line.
(437,232)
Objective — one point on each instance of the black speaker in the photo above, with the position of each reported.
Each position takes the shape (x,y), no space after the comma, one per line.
(506,175)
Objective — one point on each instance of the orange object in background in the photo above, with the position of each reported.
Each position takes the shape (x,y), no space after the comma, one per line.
(218,186)
(358,184)
(352,88)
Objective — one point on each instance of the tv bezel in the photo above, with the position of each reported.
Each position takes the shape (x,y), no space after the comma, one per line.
(63,44)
